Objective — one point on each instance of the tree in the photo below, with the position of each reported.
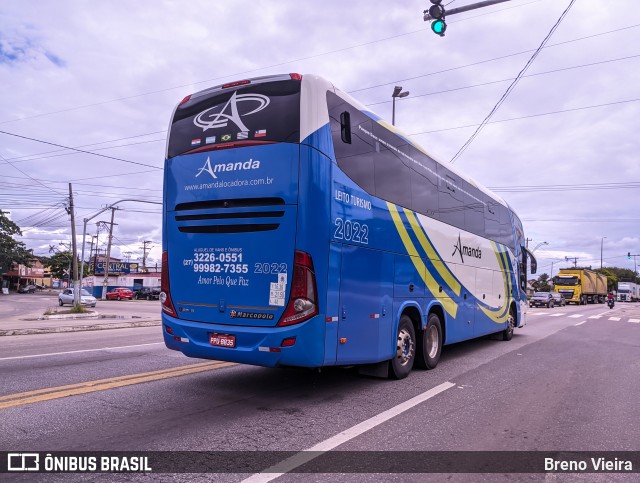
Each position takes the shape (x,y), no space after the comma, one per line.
(58,264)
(12,251)
(542,283)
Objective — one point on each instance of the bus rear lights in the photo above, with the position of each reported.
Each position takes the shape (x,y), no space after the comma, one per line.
(165,294)
(180,339)
(288,342)
(168,329)
(269,349)
(236,84)
(303,296)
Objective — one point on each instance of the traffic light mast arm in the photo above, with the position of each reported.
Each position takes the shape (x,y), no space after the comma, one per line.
(466,8)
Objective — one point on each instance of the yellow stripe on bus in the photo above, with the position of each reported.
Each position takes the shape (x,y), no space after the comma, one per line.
(500,314)
(442,269)
(449,305)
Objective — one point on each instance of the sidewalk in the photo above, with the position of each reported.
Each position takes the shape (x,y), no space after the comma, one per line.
(32,324)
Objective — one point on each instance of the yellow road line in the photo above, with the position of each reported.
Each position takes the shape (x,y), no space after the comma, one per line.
(47,394)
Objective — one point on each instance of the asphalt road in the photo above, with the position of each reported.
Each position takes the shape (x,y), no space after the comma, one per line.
(568,381)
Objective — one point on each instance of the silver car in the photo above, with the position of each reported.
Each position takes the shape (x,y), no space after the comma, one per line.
(66,297)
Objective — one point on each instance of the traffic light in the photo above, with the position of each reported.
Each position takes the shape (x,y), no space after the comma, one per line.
(628,255)
(436,12)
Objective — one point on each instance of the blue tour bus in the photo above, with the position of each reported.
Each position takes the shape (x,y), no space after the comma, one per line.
(300,229)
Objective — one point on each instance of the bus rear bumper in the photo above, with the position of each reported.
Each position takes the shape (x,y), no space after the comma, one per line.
(260,346)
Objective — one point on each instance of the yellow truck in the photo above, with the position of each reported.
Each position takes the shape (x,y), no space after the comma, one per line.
(581,286)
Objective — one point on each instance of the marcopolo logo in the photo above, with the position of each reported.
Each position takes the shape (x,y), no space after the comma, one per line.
(465,250)
(224,167)
(208,119)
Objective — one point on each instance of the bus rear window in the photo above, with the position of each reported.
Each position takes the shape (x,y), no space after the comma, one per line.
(268,112)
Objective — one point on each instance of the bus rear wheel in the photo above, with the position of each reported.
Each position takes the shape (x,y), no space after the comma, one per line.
(430,348)
(402,363)
(507,334)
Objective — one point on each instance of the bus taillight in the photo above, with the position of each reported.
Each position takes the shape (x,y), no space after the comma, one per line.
(165,294)
(303,297)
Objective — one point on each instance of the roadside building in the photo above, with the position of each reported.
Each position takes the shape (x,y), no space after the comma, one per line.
(20,275)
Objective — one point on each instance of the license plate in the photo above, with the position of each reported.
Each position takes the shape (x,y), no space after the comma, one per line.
(222,340)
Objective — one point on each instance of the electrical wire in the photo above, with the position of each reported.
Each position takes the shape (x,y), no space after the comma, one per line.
(512,85)
(76,149)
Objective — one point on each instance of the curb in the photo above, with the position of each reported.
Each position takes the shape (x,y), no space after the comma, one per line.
(79,328)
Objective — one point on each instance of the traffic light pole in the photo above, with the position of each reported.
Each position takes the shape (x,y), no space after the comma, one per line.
(465,8)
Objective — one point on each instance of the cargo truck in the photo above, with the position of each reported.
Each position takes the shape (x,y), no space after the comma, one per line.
(628,292)
(581,286)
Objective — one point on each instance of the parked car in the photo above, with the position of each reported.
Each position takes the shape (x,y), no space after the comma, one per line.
(27,289)
(559,300)
(66,297)
(119,293)
(541,299)
(148,293)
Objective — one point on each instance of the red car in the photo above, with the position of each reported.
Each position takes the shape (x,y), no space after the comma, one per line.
(119,293)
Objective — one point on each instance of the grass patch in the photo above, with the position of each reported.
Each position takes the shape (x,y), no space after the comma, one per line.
(79,309)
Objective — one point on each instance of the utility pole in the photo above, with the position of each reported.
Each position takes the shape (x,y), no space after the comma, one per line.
(144,254)
(86,220)
(106,266)
(575,261)
(74,251)
(91,247)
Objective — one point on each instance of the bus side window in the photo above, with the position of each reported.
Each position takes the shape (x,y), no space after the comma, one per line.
(354,158)
(424,184)
(450,198)
(392,176)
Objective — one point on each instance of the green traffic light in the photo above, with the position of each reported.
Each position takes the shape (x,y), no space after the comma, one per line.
(439,27)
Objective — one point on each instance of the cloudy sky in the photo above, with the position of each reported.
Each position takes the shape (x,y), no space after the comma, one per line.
(104,77)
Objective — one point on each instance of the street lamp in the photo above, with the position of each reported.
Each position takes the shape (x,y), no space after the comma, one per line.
(76,293)
(601,245)
(397,92)
(538,246)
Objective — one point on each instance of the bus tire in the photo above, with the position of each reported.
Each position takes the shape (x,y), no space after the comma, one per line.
(402,362)
(507,334)
(430,347)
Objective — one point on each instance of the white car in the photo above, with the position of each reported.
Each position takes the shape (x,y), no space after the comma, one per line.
(66,297)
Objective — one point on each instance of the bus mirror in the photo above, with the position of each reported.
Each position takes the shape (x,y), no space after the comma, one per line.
(534,263)
(345,127)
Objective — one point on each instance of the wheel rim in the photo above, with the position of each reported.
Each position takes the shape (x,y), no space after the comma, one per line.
(510,326)
(433,341)
(404,347)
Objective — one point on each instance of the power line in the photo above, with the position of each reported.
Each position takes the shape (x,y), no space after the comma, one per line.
(564,187)
(76,149)
(528,117)
(492,59)
(28,176)
(21,158)
(412,97)
(84,106)
(512,85)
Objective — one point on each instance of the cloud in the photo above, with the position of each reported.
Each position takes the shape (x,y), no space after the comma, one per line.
(107,76)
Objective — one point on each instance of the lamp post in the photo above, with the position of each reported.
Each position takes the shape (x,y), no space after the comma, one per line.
(538,246)
(76,293)
(601,245)
(397,92)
